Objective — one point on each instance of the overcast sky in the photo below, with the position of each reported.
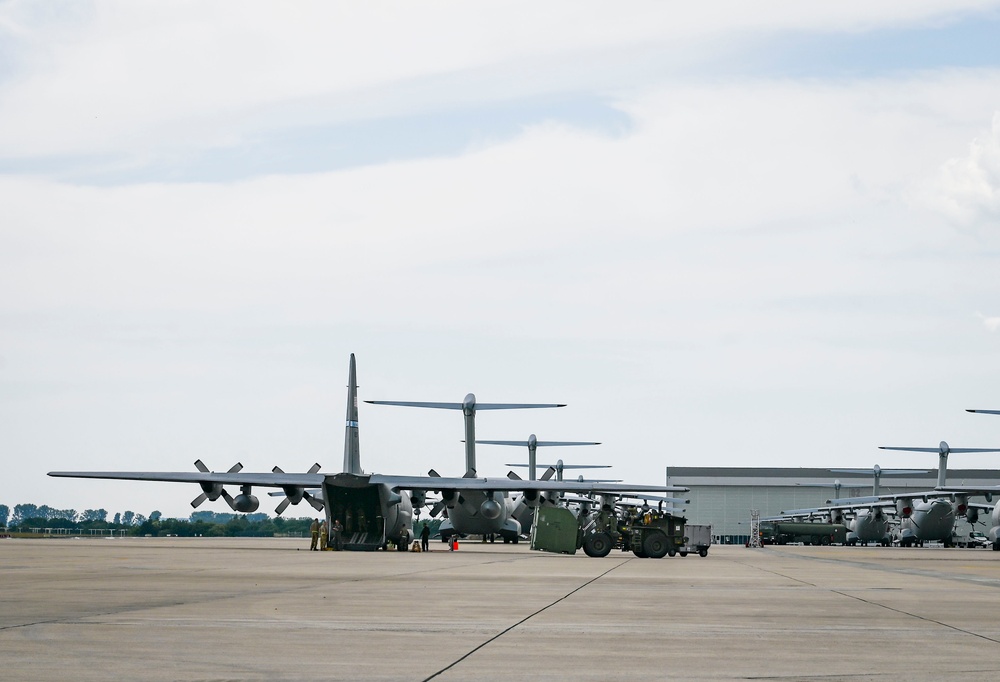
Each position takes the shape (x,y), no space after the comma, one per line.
(738,234)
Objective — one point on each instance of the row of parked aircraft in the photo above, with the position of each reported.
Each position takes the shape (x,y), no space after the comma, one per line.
(927,516)
(374,509)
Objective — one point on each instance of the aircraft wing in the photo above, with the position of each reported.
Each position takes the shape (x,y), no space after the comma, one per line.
(969,490)
(442,483)
(275,480)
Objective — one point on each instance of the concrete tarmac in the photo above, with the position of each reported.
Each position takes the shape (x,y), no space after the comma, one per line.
(268,609)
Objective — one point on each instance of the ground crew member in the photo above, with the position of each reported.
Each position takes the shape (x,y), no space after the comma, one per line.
(338,542)
(425,538)
(314,530)
(323,534)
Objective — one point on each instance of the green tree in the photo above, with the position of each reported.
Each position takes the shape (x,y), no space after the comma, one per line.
(128,517)
(90,515)
(155,516)
(4,515)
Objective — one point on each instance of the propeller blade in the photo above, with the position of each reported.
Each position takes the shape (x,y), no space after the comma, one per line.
(436,509)
(196,502)
(229,500)
(314,468)
(235,469)
(549,473)
(282,506)
(314,503)
(200,466)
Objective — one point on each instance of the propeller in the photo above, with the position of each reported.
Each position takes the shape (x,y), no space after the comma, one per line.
(213,491)
(295,494)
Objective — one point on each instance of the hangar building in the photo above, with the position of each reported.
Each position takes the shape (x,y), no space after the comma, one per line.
(724,496)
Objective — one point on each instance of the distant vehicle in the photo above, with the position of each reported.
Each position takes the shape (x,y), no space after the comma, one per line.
(973,539)
(699,539)
(786,532)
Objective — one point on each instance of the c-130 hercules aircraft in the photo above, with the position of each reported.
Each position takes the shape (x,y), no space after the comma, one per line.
(373,509)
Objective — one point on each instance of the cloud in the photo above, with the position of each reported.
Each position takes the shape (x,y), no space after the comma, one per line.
(141,79)
(969,186)
(991,323)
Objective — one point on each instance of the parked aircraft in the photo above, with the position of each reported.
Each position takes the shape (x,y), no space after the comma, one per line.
(866,518)
(489,509)
(928,515)
(372,508)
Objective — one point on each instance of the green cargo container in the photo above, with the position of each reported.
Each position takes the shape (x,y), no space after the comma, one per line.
(555,529)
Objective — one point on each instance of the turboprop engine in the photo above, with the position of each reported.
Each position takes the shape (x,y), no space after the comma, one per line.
(905,507)
(971,514)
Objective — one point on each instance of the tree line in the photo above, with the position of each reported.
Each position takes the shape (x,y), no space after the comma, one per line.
(201,523)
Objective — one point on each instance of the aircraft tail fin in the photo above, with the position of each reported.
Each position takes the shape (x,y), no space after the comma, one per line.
(352,444)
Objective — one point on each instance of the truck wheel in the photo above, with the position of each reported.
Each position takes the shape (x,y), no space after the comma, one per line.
(825,540)
(683,553)
(638,552)
(656,545)
(703,552)
(597,545)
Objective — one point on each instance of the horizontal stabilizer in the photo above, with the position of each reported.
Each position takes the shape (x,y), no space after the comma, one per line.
(985,411)
(847,501)
(565,466)
(539,443)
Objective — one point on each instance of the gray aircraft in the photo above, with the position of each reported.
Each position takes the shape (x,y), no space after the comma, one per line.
(866,518)
(488,510)
(929,515)
(373,509)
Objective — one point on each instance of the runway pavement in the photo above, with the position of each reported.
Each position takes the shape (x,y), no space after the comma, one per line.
(267,609)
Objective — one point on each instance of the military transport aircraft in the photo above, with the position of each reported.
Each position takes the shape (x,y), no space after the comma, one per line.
(372,508)
(489,509)
(867,518)
(928,515)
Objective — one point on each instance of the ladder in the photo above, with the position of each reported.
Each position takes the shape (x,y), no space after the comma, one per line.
(754,529)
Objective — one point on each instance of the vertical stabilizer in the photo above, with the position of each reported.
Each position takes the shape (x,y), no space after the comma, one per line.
(469,406)
(352,445)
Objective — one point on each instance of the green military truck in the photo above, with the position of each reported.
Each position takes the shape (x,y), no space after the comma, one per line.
(785,532)
(647,533)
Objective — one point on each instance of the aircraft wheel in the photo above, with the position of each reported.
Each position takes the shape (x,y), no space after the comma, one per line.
(656,545)
(597,545)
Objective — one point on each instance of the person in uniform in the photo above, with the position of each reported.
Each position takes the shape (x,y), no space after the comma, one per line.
(338,540)
(425,537)
(323,535)
(314,530)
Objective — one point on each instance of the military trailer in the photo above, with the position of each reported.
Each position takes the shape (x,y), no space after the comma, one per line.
(785,532)
(699,539)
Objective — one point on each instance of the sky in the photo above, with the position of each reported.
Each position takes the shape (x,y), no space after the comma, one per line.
(737,234)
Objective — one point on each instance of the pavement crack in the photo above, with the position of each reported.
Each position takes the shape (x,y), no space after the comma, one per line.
(524,620)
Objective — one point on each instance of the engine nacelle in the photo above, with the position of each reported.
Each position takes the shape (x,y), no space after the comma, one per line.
(246,503)
(212,490)
(904,507)
(294,494)
(490,509)
(971,514)
(449,497)
(962,505)
(418,498)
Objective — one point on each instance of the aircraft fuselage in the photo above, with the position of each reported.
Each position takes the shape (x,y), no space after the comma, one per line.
(933,520)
